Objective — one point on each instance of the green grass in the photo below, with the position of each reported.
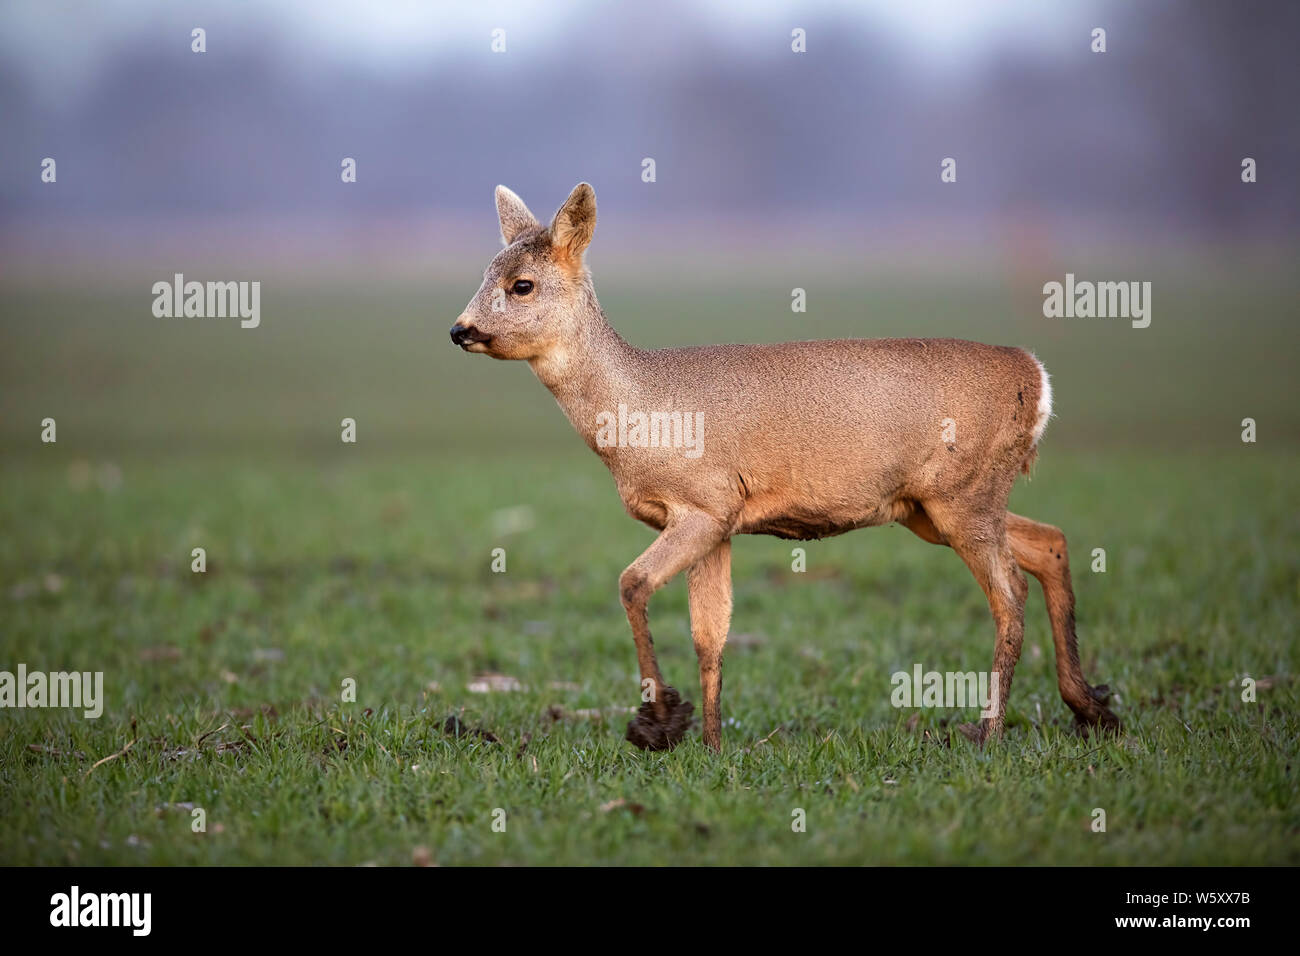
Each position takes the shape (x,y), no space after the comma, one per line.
(329,561)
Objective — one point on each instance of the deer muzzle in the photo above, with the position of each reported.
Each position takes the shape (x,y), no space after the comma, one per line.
(467,335)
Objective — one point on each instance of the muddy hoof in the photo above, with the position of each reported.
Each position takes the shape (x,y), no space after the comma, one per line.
(648,732)
(1098,716)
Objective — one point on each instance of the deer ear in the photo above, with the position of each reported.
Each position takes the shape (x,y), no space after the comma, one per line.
(514,215)
(574,223)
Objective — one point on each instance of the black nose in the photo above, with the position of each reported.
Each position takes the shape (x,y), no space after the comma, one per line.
(464,335)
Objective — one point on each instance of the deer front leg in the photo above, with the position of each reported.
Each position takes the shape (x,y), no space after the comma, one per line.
(664,719)
(709,581)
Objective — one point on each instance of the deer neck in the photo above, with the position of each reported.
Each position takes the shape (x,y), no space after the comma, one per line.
(590,372)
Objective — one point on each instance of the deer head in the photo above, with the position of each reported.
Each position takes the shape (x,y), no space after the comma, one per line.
(533,299)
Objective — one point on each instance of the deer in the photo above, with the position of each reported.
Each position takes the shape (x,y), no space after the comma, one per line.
(800,440)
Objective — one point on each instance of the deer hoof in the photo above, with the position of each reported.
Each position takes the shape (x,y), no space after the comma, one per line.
(972,732)
(650,732)
(1097,716)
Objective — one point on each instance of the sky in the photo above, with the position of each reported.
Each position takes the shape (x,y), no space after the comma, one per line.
(1047,135)
(65,44)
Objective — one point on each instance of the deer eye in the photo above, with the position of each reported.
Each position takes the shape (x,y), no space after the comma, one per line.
(522,287)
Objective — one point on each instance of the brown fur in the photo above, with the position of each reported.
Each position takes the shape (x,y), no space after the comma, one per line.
(800,440)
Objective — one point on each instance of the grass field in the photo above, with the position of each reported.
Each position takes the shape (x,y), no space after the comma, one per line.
(329,561)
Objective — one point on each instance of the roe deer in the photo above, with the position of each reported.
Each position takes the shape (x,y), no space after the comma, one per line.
(800,440)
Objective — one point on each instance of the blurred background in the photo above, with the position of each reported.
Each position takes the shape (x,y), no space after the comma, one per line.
(774,170)
(1050,136)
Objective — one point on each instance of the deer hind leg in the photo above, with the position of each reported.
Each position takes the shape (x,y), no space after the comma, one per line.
(1040,549)
(710,594)
(980,540)
(664,719)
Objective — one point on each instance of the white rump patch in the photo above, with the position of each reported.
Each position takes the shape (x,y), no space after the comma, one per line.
(1044,400)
